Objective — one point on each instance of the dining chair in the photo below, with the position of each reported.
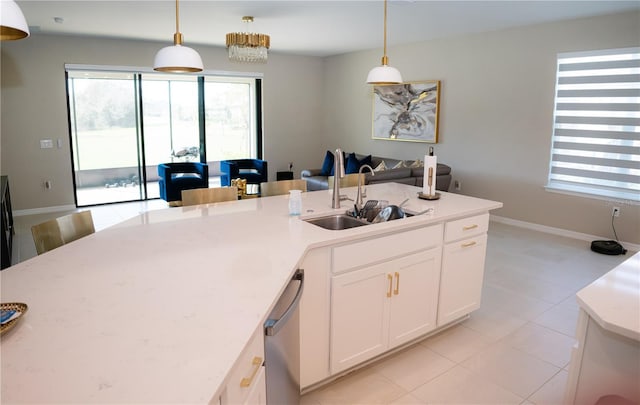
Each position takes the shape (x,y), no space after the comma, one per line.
(209,195)
(349,180)
(56,232)
(281,187)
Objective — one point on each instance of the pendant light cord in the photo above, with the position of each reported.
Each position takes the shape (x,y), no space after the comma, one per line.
(385,60)
(385,28)
(177,37)
(177,18)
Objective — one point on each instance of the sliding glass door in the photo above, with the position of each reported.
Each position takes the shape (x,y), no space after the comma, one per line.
(231,119)
(105,137)
(123,124)
(170,123)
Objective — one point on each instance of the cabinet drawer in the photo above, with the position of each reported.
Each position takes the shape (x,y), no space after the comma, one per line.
(245,375)
(466,227)
(374,250)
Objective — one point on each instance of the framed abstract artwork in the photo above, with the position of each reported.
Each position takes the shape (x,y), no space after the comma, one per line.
(407,111)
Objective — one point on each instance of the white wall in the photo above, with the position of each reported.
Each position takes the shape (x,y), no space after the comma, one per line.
(34,107)
(495,115)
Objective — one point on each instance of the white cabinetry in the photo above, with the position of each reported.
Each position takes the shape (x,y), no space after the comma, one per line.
(386,291)
(462,267)
(314,317)
(246,384)
(376,307)
(603,363)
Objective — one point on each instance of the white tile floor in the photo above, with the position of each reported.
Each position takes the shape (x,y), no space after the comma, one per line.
(514,350)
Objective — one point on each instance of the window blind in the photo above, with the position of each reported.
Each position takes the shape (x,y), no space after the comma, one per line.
(596,133)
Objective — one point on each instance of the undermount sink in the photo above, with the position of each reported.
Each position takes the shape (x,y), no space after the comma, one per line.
(337,222)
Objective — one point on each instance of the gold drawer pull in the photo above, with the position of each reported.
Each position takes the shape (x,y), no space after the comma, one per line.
(257,363)
(469,227)
(390,278)
(468,244)
(397,290)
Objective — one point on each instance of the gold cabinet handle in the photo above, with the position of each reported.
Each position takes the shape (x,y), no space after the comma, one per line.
(397,290)
(469,227)
(468,244)
(390,278)
(257,363)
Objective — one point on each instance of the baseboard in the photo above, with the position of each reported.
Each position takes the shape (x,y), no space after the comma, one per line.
(44,210)
(559,231)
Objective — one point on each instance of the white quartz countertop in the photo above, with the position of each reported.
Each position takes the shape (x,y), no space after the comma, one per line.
(158,308)
(613,300)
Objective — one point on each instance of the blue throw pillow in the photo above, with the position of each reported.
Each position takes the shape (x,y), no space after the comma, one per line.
(353,165)
(327,165)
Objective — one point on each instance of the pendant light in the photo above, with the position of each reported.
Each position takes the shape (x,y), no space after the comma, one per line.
(384,74)
(12,22)
(177,58)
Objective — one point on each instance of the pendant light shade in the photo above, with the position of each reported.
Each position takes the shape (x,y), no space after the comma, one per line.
(12,22)
(177,58)
(384,74)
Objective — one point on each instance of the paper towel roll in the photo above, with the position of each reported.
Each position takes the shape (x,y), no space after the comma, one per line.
(429,181)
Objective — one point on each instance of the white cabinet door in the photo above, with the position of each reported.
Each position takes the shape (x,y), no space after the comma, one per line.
(258,393)
(461,278)
(382,306)
(246,379)
(314,317)
(359,316)
(415,296)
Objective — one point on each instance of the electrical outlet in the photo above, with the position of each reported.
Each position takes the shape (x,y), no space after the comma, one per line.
(615,211)
(457,184)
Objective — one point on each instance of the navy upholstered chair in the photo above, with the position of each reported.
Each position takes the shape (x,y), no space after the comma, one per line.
(252,170)
(175,177)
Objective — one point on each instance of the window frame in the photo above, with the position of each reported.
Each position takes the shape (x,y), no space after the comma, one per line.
(254,80)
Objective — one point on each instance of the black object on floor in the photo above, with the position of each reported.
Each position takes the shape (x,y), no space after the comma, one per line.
(608,247)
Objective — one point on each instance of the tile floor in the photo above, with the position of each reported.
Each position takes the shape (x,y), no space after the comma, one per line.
(514,350)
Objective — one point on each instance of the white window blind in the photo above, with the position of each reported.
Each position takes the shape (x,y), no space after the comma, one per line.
(596,134)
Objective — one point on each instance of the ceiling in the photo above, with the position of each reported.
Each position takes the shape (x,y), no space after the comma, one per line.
(302,27)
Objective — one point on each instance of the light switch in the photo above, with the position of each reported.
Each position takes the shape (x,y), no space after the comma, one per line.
(46,143)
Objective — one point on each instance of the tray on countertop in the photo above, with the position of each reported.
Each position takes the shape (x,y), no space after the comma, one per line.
(12,306)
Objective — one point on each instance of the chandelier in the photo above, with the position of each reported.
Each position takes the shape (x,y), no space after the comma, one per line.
(248,47)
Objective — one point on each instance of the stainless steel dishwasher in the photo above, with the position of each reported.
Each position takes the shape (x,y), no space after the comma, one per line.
(282,345)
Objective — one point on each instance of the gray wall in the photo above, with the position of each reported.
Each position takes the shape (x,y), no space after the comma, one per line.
(495,115)
(34,108)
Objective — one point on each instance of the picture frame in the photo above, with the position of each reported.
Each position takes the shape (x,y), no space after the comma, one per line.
(406,112)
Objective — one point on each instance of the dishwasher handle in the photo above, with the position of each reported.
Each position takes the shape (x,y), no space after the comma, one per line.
(273,326)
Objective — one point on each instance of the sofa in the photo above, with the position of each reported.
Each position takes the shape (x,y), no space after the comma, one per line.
(392,170)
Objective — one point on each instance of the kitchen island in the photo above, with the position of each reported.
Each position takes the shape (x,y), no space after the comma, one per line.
(160,307)
(605,362)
